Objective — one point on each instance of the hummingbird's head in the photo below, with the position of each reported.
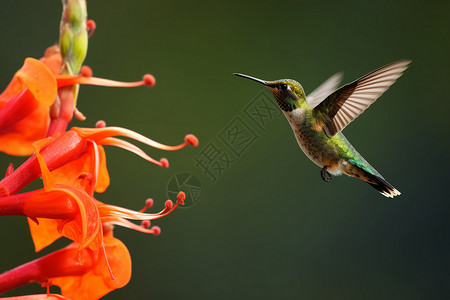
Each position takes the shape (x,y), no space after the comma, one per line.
(288,93)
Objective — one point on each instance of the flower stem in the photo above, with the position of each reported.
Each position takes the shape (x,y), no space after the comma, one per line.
(73,43)
(65,115)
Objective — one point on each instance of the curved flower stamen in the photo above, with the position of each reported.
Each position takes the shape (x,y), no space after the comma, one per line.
(68,80)
(111,211)
(98,134)
(115,215)
(155,230)
(148,204)
(71,147)
(135,149)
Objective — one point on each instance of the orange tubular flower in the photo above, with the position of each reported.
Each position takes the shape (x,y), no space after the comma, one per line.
(24,108)
(73,213)
(78,168)
(84,274)
(71,184)
(70,148)
(31,98)
(63,211)
(93,266)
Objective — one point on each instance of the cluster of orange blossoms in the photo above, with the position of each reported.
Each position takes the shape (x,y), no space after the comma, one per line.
(35,110)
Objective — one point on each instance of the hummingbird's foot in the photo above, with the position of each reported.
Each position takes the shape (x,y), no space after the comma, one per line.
(325,175)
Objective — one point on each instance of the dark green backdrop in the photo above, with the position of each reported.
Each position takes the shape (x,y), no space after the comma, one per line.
(269,227)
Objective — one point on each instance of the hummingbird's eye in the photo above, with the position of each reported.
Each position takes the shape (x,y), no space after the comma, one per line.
(284,86)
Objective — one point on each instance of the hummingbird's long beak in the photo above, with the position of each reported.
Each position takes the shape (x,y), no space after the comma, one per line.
(251,78)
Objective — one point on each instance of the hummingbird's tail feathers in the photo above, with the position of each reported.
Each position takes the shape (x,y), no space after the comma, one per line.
(381,185)
(361,169)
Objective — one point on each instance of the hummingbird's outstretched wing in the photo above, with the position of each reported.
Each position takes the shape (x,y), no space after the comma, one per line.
(348,102)
(324,90)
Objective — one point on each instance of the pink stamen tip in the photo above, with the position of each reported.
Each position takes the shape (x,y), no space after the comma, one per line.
(156,230)
(181,197)
(164,163)
(149,80)
(145,224)
(191,139)
(100,124)
(86,71)
(90,25)
(9,170)
(169,205)
(148,204)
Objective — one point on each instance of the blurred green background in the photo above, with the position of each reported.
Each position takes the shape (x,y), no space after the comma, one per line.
(269,227)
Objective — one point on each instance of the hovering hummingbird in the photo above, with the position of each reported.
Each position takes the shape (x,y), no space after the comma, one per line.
(317,120)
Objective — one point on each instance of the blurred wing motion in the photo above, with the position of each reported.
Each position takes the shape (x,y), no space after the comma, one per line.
(348,102)
(324,90)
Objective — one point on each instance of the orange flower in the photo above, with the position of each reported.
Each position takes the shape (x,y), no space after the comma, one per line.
(24,107)
(35,110)
(93,266)
(73,166)
(78,155)
(84,274)
(61,211)
(31,98)
(71,212)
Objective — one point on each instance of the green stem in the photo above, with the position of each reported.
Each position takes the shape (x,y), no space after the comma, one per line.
(73,43)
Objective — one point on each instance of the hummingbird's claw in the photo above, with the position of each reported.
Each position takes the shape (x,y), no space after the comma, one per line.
(325,175)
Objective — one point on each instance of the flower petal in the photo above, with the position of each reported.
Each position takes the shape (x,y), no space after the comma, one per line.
(97,281)
(84,228)
(24,107)
(103,175)
(23,120)
(37,78)
(44,233)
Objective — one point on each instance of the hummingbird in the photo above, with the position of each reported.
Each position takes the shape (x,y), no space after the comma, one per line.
(317,120)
